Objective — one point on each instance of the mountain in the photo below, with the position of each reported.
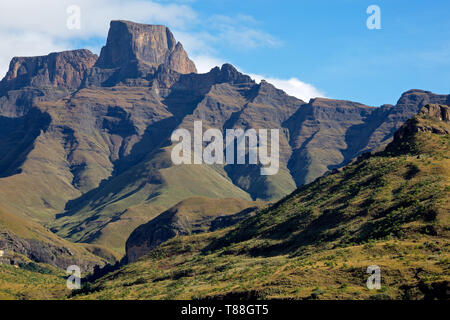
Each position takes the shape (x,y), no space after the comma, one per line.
(87,138)
(24,242)
(190,216)
(388,209)
(139,44)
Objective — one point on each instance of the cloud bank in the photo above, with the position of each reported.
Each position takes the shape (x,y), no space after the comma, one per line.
(293,87)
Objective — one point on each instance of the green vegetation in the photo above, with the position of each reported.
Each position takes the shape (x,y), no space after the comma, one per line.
(190,216)
(390,209)
(152,188)
(33,241)
(32,281)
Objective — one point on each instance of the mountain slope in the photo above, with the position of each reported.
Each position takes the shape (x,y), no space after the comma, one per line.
(87,139)
(24,242)
(389,209)
(400,190)
(32,282)
(190,216)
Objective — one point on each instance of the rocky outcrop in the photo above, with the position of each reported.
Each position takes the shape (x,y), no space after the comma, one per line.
(44,78)
(62,70)
(22,240)
(437,112)
(104,145)
(15,248)
(151,44)
(431,118)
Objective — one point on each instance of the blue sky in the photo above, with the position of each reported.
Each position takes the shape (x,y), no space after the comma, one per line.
(327,44)
(320,47)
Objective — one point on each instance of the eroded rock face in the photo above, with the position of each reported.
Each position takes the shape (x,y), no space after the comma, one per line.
(14,246)
(63,70)
(101,146)
(438,112)
(431,118)
(153,45)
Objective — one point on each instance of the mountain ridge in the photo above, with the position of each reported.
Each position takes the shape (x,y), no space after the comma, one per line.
(104,145)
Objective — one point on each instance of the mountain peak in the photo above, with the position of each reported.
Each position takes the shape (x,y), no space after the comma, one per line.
(152,45)
(228,73)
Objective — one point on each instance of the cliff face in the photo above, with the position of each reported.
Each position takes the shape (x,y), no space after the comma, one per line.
(437,112)
(63,70)
(136,50)
(150,44)
(22,241)
(45,78)
(432,118)
(97,157)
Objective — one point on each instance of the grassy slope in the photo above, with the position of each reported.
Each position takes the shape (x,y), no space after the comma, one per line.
(37,281)
(31,280)
(390,210)
(149,192)
(28,230)
(190,216)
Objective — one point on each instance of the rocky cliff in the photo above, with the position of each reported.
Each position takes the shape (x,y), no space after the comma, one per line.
(136,50)
(149,44)
(45,78)
(23,241)
(88,141)
(59,70)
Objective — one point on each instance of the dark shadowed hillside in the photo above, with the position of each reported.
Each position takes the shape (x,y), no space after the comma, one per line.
(191,216)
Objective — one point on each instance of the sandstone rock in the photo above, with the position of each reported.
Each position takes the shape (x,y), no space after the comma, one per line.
(63,70)
(104,149)
(438,112)
(431,118)
(150,44)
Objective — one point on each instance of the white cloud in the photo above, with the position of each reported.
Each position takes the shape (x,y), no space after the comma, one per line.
(293,87)
(205,63)
(26,44)
(50,16)
(241,31)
